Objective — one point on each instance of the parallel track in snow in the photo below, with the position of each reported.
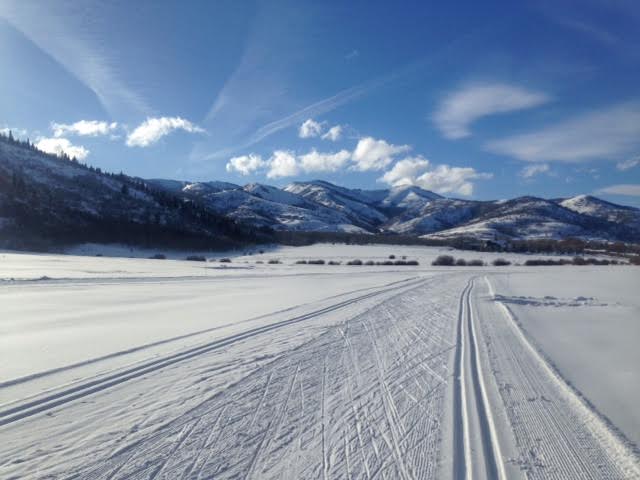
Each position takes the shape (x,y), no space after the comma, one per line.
(88,387)
(476,450)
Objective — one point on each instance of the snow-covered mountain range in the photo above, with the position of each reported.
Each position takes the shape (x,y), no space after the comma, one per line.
(410,210)
(43,195)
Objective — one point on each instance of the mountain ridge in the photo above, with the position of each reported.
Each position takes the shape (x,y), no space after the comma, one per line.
(48,195)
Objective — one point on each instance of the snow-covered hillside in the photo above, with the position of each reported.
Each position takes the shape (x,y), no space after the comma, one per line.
(47,195)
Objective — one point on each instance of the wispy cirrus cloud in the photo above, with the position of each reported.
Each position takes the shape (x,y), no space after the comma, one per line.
(629,189)
(536,169)
(153,129)
(61,30)
(628,164)
(90,128)
(461,108)
(603,134)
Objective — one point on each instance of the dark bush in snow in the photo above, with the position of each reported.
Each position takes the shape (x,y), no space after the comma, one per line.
(369,262)
(196,258)
(475,263)
(274,261)
(538,262)
(461,262)
(225,260)
(385,263)
(444,260)
(635,260)
(392,257)
(301,262)
(401,263)
(158,256)
(354,262)
(333,262)
(413,263)
(500,262)
(316,262)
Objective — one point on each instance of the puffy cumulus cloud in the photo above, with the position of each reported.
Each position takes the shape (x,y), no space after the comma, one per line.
(405,171)
(533,170)
(283,164)
(597,135)
(59,146)
(310,128)
(83,128)
(153,129)
(334,133)
(461,108)
(372,154)
(628,164)
(245,164)
(315,161)
(629,189)
(442,179)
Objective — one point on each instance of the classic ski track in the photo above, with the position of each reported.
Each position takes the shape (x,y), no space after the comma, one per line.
(32,407)
(470,395)
(557,435)
(377,415)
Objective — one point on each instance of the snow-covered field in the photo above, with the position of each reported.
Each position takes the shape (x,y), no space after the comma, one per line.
(136,368)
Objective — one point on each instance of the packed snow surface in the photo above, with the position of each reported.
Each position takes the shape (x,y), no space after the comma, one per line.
(135,368)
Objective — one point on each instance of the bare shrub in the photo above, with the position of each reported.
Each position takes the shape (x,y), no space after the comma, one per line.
(461,262)
(444,260)
(274,261)
(500,262)
(354,262)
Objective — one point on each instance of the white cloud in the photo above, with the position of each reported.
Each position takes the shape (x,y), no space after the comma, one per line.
(461,108)
(310,128)
(83,127)
(60,29)
(405,171)
(153,129)
(622,189)
(334,133)
(324,162)
(597,135)
(533,170)
(442,178)
(245,164)
(372,154)
(58,146)
(628,164)
(16,132)
(282,164)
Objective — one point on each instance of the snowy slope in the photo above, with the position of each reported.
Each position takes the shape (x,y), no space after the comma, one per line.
(45,197)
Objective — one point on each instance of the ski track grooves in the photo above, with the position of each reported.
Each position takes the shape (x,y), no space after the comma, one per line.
(24,410)
(557,436)
(364,399)
(470,395)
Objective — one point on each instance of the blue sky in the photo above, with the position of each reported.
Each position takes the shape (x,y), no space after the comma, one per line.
(470,99)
